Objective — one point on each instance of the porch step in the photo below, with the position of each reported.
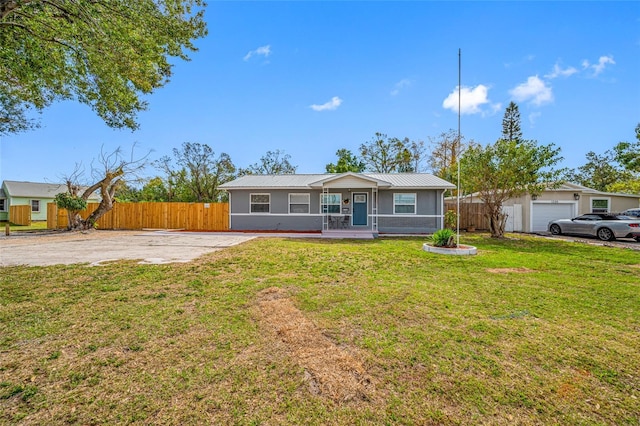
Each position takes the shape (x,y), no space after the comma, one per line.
(362,235)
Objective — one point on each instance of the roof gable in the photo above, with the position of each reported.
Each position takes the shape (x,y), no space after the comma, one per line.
(34,189)
(342,180)
(350,180)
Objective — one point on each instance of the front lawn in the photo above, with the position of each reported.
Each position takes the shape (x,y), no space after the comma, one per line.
(312,332)
(35,226)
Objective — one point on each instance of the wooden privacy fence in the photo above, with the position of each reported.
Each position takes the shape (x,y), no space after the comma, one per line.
(187,216)
(471,214)
(20,215)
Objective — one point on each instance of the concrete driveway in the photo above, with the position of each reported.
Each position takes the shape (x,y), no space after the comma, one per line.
(96,247)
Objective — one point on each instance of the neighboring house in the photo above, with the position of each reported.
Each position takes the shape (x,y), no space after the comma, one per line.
(333,203)
(532,214)
(4,205)
(37,195)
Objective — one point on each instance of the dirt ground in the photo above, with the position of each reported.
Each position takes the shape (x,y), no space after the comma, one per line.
(96,247)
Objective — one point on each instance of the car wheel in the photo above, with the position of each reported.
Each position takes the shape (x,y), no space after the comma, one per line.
(637,239)
(605,234)
(555,229)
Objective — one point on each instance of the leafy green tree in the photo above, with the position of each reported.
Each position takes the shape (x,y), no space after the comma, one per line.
(507,169)
(198,173)
(127,193)
(391,155)
(272,163)
(599,172)
(511,128)
(630,186)
(154,190)
(617,170)
(106,54)
(628,153)
(74,204)
(347,162)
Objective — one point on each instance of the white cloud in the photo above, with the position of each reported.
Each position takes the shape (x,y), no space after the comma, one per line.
(534,90)
(559,72)
(402,84)
(333,104)
(600,66)
(533,118)
(471,99)
(262,51)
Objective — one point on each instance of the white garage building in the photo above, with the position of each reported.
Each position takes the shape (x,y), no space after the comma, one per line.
(532,214)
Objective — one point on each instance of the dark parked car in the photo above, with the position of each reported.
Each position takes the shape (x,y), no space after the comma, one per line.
(631,212)
(606,227)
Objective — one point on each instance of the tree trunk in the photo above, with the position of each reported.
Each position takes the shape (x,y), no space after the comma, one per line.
(107,186)
(497,221)
(76,223)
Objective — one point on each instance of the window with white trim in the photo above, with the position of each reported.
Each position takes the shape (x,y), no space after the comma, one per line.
(599,205)
(260,203)
(3,204)
(404,203)
(299,203)
(330,203)
(35,206)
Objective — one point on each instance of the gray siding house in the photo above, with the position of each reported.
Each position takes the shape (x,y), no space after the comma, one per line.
(334,203)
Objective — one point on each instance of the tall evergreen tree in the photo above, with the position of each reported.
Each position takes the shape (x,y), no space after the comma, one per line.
(511,130)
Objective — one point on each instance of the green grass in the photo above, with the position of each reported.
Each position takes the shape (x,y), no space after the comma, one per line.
(35,226)
(529,331)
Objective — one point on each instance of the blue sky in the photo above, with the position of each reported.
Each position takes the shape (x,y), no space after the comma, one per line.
(310,78)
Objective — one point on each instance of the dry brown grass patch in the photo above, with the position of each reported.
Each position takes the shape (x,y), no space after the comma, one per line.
(330,370)
(509,270)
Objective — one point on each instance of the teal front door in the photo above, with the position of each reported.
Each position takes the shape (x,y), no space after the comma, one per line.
(360,211)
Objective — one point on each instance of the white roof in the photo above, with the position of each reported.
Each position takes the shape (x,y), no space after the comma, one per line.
(306,181)
(569,187)
(34,189)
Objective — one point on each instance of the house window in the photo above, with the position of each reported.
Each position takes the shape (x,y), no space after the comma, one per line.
(330,203)
(35,206)
(599,205)
(299,203)
(260,203)
(404,203)
(3,204)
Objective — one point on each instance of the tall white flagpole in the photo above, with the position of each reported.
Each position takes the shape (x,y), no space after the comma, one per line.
(458,153)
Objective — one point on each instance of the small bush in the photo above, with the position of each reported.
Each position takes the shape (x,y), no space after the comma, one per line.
(451,219)
(443,238)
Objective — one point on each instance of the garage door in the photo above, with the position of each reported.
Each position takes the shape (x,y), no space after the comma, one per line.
(542,213)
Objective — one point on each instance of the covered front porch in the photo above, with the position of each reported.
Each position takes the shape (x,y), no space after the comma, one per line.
(349,205)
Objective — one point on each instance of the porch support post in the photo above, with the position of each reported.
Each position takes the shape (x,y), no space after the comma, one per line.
(324,209)
(442,209)
(374,209)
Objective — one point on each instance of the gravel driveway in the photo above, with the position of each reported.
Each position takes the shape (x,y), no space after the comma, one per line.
(96,247)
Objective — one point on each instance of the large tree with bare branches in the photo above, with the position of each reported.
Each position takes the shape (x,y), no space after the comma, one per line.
(108,173)
(392,155)
(103,53)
